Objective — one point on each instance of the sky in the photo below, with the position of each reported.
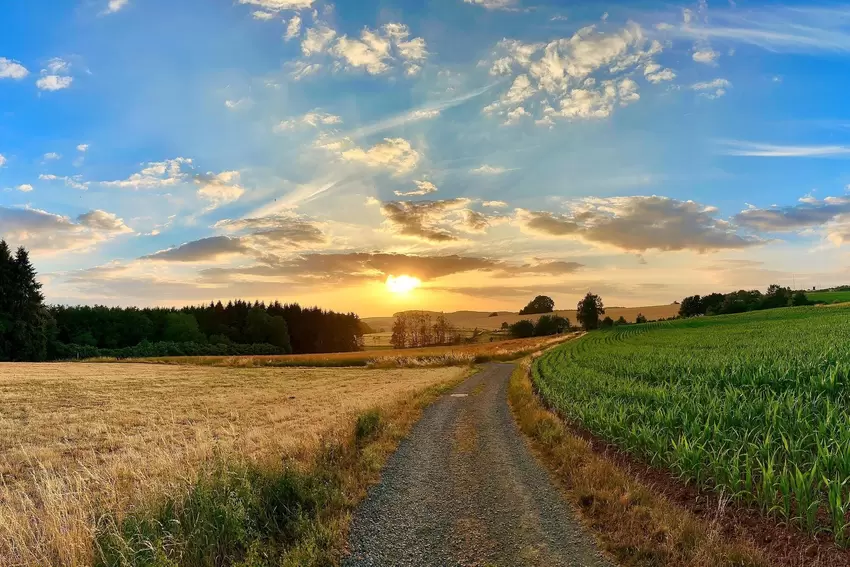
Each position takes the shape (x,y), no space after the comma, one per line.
(155,152)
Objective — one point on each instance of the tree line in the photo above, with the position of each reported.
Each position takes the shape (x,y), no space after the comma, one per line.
(741,301)
(32,331)
(420,328)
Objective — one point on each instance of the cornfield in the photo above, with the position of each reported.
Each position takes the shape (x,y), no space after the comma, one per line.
(754,405)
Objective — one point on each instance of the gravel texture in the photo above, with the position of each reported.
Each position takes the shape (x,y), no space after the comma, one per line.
(464,489)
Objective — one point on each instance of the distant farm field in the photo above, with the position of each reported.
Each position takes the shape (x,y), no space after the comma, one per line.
(829,296)
(754,405)
(386,358)
(491,321)
(79,440)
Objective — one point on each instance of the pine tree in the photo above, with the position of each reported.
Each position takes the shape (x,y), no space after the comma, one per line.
(25,324)
(7,269)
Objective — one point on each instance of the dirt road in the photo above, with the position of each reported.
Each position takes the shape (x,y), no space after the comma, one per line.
(464,490)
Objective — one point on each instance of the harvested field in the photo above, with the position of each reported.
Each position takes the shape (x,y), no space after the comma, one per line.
(79,440)
(390,358)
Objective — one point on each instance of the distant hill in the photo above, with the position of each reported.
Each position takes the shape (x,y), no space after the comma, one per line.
(486,321)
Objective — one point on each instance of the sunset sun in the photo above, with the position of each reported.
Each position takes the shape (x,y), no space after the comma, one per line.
(402,284)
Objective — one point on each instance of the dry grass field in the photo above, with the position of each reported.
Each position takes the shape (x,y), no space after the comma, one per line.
(389,358)
(80,440)
(485,320)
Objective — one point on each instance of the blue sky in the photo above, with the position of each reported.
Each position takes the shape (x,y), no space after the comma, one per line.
(160,152)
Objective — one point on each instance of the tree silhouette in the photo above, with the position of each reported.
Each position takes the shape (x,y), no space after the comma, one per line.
(589,309)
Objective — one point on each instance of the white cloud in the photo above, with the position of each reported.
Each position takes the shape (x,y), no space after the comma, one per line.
(584,76)
(707,56)
(46,233)
(293,28)
(279,5)
(155,175)
(489,170)
(52,156)
(263,16)
(655,74)
(314,118)
(376,51)
(237,104)
(423,188)
(516,115)
(72,182)
(219,188)
(2,160)
(54,83)
(12,69)
(639,223)
(24,188)
(394,154)
(495,204)
(755,149)
(493,4)
(83,148)
(301,69)
(317,39)
(712,89)
(115,5)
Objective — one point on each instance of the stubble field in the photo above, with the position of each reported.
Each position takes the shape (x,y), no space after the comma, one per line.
(81,440)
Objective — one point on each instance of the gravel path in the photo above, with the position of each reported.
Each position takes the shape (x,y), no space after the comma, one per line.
(464,490)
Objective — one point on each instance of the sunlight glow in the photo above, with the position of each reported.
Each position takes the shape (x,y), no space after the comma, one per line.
(402,284)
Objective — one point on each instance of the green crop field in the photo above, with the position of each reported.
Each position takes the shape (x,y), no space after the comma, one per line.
(829,296)
(754,405)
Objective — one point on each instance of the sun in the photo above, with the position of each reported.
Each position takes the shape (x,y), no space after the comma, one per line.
(402,284)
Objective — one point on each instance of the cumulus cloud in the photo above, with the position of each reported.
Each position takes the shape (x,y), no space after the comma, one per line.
(584,76)
(104,221)
(375,52)
(52,156)
(2,160)
(637,224)
(83,148)
(219,188)
(72,182)
(809,213)
(55,76)
(263,16)
(422,188)
(155,175)
(424,220)
(317,39)
(44,232)
(712,89)
(203,250)
(261,237)
(293,28)
(314,118)
(53,83)
(654,73)
(707,56)
(24,188)
(12,69)
(495,204)
(489,170)
(393,154)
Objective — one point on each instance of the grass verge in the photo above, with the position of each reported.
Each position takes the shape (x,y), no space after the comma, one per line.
(290,512)
(633,523)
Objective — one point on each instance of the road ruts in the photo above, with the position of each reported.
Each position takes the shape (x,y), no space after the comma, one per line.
(464,490)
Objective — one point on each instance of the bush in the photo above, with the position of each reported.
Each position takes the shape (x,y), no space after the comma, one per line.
(368,425)
(522,329)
